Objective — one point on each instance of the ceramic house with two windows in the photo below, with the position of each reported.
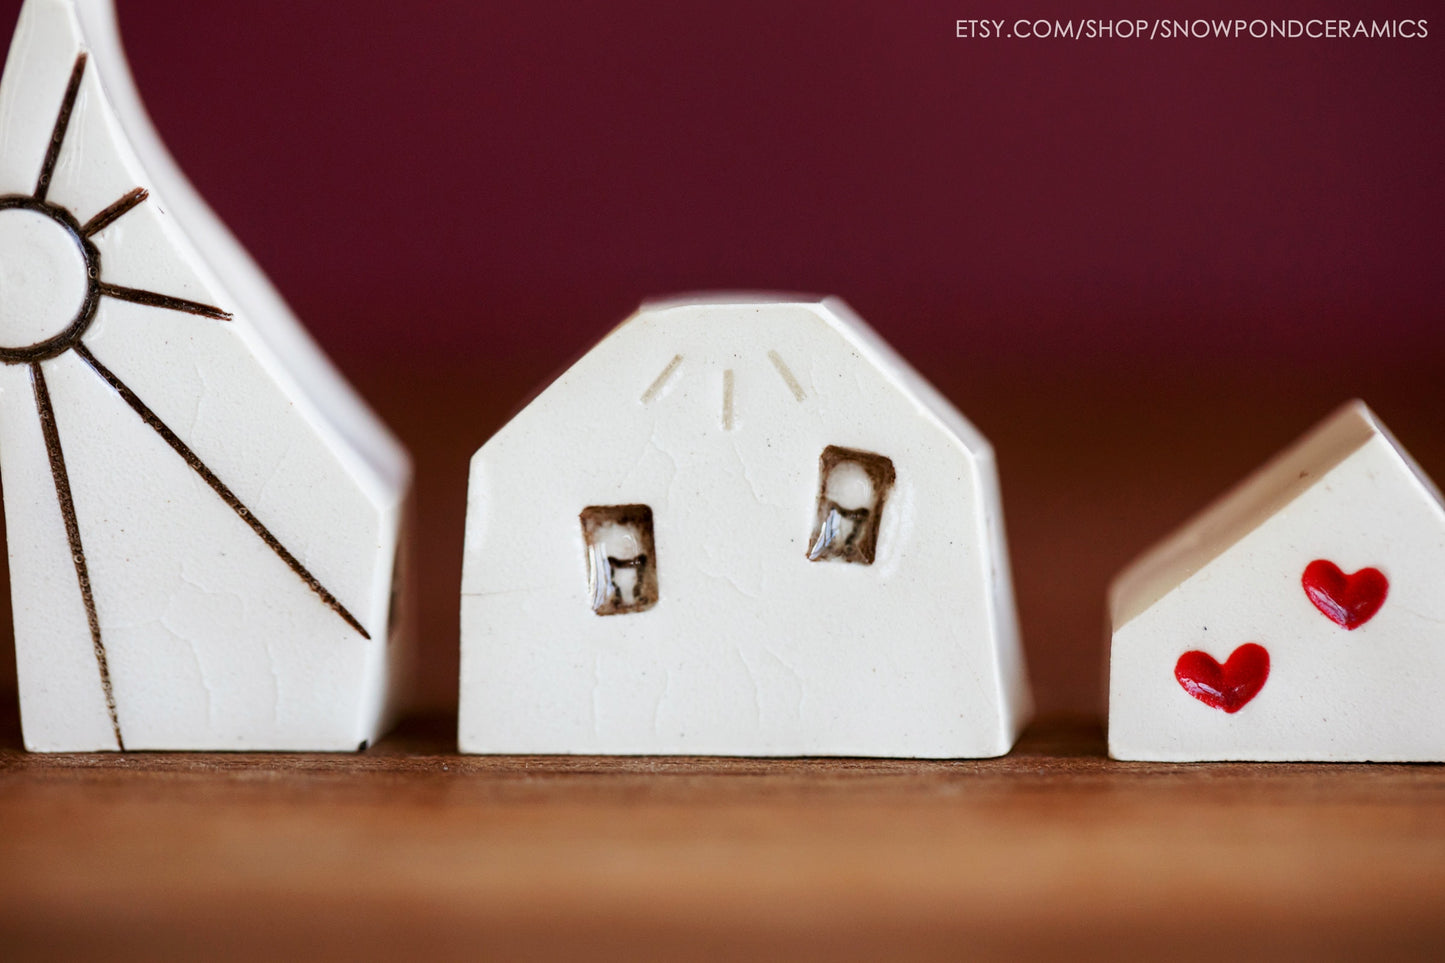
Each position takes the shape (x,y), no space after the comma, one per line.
(1300,617)
(739,526)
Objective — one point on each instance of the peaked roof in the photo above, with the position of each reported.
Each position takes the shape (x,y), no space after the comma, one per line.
(1249,504)
(47,35)
(841,318)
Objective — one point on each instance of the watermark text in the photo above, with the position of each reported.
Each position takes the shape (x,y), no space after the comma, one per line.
(1196,29)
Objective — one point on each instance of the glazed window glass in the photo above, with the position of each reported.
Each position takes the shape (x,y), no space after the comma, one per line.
(621,558)
(852,487)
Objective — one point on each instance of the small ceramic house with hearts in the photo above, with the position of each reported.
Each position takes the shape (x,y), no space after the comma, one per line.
(739,527)
(1300,617)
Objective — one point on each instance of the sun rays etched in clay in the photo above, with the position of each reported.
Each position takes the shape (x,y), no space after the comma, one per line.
(34,218)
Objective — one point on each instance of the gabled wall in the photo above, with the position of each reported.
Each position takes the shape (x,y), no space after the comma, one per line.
(751,648)
(213,639)
(1371,693)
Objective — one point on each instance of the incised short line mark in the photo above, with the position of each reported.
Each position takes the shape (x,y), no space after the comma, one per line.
(788,378)
(114,212)
(727,412)
(661,379)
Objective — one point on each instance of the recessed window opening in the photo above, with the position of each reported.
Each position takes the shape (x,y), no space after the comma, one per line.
(852,488)
(621,558)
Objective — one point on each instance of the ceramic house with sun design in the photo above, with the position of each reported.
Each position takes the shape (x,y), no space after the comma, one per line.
(1300,617)
(739,526)
(203,519)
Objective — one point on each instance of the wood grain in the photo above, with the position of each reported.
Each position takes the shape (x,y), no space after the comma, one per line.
(1053,850)
(411,851)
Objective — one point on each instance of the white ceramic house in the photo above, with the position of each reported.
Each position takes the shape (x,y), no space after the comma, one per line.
(203,518)
(1300,617)
(739,526)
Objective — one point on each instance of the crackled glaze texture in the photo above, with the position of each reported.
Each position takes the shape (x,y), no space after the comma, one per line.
(202,517)
(1319,664)
(759,434)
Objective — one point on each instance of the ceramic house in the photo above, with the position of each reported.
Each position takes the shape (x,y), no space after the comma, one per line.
(203,518)
(1300,617)
(739,526)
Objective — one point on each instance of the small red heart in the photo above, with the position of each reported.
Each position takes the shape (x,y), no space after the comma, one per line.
(1348,600)
(1227,686)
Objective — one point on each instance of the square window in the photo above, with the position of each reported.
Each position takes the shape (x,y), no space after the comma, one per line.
(852,487)
(621,559)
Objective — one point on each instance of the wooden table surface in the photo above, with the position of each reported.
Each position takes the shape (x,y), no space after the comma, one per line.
(1052,850)
(411,851)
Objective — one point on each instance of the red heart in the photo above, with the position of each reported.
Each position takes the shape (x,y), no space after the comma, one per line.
(1348,600)
(1227,686)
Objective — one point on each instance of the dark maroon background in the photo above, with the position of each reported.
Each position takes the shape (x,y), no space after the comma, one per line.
(476,177)
(1095,247)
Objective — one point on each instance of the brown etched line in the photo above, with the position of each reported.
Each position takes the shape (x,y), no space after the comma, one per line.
(114,212)
(727,413)
(787,375)
(57,134)
(661,379)
(72,534)
(154,300)
(218,486)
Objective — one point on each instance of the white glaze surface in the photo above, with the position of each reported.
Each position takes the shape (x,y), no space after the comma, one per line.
(1345,493)
(714,413)
(212,637)
(42,277)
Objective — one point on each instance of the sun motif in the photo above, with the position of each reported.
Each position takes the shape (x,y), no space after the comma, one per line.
(51,286)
